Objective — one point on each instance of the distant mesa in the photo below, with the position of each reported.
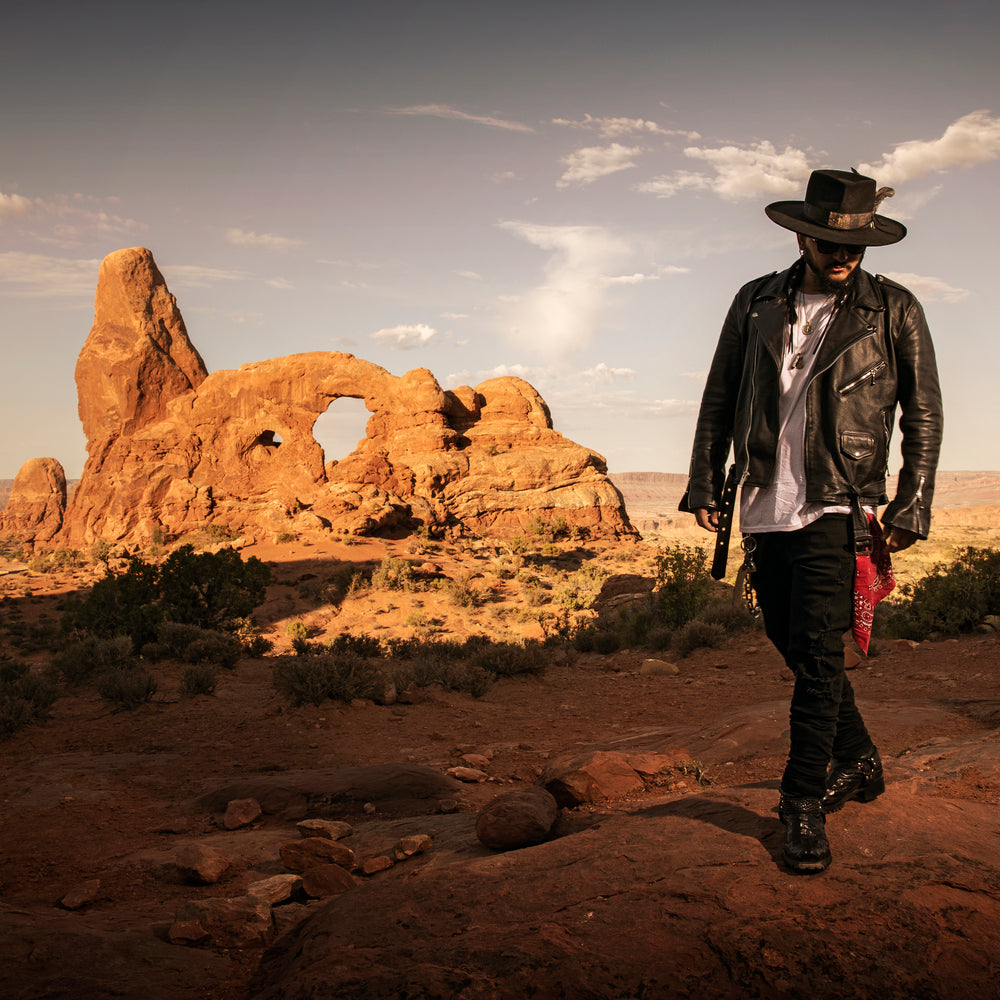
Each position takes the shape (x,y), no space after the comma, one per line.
(173,448)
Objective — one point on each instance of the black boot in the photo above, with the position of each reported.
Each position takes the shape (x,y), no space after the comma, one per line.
(807,851)
(862,780)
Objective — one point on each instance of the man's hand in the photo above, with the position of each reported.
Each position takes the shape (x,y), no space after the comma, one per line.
(707,519)
(897,539)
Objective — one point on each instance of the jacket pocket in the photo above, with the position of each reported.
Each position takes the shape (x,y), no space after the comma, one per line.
(867,377)
(857,444)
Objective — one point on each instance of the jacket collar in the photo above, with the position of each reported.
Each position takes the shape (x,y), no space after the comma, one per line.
(854,320)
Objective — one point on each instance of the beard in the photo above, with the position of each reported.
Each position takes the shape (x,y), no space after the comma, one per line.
(828,284)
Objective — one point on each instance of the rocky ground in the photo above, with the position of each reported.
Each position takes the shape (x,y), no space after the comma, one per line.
(671,887)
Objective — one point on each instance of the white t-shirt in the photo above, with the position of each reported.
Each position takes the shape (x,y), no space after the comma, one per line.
(782,506)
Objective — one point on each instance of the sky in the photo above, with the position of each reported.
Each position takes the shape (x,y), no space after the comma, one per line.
(567,192)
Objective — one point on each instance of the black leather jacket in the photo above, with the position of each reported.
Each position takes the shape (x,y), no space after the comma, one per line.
(876,354)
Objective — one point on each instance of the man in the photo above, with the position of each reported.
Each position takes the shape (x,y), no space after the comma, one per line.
(809,371)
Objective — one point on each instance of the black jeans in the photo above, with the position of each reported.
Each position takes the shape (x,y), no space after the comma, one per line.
(804,581)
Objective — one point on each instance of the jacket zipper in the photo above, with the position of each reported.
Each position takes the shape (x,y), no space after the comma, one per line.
(868,376)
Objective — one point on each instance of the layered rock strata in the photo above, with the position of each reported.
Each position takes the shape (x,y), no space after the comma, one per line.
(172,448)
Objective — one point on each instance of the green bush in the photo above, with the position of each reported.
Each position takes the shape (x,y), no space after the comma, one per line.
(949,600)
(683,585)
(126,688)
(25,698)
(212,590)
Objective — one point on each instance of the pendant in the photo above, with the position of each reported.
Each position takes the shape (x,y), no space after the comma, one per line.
(797,362)
(807,327)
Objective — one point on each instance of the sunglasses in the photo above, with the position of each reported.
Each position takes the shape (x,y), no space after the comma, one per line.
(825,247)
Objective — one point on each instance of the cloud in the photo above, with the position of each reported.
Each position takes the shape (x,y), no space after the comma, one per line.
(611,128)
(72,218)
(447,111)
(405,337)
(37,275)
(604,374)
(196,276)
(737,172)
(972,139)
(14,204)
(471,275)
(560,316)
(584,166)
(281,283)
(262,241)
(929,289)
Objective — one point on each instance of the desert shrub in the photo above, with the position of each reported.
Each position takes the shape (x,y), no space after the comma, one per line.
(467,678)
(297,630)
(218,648)
(25,697)
(343,583)
(366,646)
(950,599)
(696,635)
(683,585)
(634,627)
(126,688)
(199,679)
(249,636)
(733,617)
(461,591)
(194,645)
(315,678)
(79,660)
(507,659)
(659,639)
(393,574)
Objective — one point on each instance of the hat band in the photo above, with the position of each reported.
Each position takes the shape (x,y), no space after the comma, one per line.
(837,220)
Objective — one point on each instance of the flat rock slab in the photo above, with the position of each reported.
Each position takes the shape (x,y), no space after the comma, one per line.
(682,898)
(401,789)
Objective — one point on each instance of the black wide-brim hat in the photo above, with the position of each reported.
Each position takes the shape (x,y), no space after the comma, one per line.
(840,207)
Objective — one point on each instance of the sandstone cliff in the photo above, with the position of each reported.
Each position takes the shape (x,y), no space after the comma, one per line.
(173,448)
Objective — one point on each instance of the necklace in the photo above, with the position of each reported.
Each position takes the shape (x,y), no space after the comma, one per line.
(807,326)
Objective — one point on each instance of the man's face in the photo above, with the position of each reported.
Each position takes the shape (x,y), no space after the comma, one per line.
(829,272)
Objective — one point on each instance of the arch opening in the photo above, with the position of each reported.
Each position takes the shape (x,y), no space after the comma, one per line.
(341,427)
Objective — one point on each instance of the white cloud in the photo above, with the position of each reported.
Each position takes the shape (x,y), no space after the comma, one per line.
(559,317)
(471,275)
(262,241)
(406,336)
(602,373)
(738,172)
(929,289)
(282,283)
(974,138)
(671,408)
(611,128)
(584,166)
(448,111)
(37,275)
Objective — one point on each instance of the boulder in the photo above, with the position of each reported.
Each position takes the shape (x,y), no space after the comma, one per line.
(517,819)
(37,504)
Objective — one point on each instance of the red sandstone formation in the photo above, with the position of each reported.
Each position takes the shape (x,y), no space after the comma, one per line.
(172,448)
(34,512)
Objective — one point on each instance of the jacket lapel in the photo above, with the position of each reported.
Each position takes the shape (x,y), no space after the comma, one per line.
(853,322)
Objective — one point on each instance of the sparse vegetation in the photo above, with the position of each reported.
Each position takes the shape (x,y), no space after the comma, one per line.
(952,598)
(126,687)
(25,697)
